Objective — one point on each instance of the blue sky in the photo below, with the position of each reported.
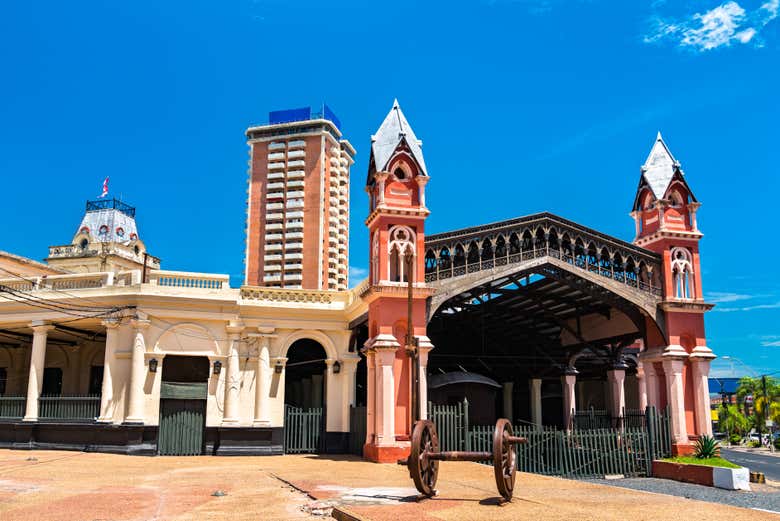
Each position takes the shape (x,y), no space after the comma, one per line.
(523,106)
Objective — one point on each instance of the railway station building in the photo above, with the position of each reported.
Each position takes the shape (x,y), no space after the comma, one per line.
(537,318)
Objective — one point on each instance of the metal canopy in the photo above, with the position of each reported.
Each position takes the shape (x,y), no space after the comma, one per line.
(511,327)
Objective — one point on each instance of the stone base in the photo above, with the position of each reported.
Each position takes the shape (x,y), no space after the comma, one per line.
(244,441)
(682,449)
(134,439)
(386,453)
(335,443)
(87,437)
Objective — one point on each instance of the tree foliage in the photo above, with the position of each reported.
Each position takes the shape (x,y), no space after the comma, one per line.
(731,420)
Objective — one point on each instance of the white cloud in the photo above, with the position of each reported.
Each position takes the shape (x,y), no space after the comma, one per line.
(721,26)
(719,297)
(774,305)
(770,341)
(356,275)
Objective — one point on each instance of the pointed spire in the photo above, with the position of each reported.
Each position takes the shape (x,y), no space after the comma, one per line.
(394,131)
(660,167)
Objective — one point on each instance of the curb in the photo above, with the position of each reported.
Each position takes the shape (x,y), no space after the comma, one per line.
(342,514)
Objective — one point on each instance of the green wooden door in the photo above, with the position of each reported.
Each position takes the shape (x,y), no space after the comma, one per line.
(182,423)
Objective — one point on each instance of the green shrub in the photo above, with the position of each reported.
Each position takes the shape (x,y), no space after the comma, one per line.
(777,443)
(754,444)
(706,447)
(735,439)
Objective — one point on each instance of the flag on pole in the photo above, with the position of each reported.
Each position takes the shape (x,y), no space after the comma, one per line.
(105,188)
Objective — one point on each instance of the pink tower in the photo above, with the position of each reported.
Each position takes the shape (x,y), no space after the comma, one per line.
(677,367)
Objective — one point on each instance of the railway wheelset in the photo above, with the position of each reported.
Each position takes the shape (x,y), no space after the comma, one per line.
(423,461)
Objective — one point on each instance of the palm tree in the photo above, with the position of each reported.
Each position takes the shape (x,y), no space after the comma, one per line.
(765,392)
(747,387)
(732,420)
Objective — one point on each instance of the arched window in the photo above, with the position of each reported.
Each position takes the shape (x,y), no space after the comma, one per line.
(400,245)
(399,174)
(675,199)
(682,273)
(648,202)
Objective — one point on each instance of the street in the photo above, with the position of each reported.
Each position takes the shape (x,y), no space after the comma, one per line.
(769,465)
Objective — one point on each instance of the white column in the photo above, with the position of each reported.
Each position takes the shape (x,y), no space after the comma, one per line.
(422,181)
(385,379)
(135,411)
(508,388)
(569,382)
(232,378)
(263,377)
(37,363)
(675,395)
(536,401)
(617,391)
(370,396)
(107,386)
(641,383)
(700,370)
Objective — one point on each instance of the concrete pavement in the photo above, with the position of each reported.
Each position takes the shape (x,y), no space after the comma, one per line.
(60,486)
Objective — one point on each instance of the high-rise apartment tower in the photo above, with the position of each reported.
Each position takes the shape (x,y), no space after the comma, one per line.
(298,204)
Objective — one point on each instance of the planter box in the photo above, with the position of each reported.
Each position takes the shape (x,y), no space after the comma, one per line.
(730,479)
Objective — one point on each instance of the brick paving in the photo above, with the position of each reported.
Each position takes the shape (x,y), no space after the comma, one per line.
(53,485)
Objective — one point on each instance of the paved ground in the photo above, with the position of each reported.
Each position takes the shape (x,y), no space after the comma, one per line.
(765,497)
(759,461)
(72,486)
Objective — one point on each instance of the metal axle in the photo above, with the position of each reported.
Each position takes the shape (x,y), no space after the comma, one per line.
(455,455)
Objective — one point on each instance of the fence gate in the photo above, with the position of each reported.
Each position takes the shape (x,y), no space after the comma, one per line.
(182,419)
(302,429)
(357,429)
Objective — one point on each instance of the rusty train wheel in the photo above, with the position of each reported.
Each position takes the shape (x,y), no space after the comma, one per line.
(504,459)
(423,470)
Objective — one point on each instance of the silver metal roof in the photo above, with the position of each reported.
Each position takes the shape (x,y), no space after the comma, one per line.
(109,225)
(395,129)
(659,168)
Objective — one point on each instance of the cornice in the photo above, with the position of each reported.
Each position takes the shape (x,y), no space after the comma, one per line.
(685,306)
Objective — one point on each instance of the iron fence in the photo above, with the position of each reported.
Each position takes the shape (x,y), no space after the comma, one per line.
(71,408)
(302,429)
(12,406)
(357,430)
(627,449)
(452,424)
